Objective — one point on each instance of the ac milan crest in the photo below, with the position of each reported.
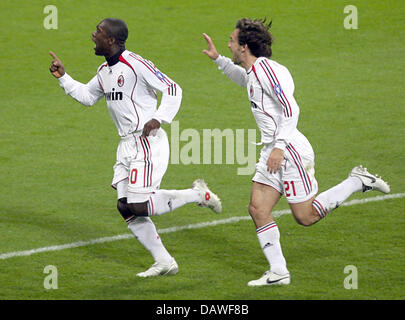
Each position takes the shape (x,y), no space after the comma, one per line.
(120,80)
(251,92)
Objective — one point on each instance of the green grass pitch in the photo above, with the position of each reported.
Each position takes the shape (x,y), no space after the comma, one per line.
(56,156)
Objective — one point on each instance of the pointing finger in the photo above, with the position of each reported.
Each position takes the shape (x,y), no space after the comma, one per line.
(53,55)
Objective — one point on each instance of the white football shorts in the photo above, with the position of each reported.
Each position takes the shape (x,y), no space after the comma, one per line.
(296,178)
(140,166)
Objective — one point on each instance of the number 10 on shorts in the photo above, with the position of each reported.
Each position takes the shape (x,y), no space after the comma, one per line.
(288,188)
(133,176)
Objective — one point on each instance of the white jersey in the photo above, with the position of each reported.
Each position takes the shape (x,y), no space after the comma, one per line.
(270,89)
(129,86)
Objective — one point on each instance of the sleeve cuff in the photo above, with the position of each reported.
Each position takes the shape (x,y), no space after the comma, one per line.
(63,78)
(216,60)
(221,61)
(280,144)
(157,119)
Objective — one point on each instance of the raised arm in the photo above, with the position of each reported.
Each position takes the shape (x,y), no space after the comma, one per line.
(57,68)
(211,50)
(231,70)
(87,94)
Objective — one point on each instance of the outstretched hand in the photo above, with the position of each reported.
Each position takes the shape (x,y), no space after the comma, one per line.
(57,68)
(212,51)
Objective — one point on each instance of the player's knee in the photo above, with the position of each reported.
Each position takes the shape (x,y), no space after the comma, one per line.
(138,209)
(305,219)
(128,210)
(256,212)
(253,210)
(123,209)
(121,204)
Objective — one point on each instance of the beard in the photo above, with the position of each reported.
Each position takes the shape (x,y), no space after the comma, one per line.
(236,60)
(98,51)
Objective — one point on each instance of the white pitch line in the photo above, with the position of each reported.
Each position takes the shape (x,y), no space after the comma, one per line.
(276,214)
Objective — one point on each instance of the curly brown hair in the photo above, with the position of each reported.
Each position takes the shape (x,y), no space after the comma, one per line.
(256,34)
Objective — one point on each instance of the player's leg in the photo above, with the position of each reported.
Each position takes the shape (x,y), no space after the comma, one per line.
(140,225)
(263,199)
(310,211)
(146,173)
(146,169)
(266,192)
(164,201)
(144,230)
(301,187)
(144,198)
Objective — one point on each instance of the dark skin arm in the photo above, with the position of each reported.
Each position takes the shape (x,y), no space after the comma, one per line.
(57,68)
(151,126)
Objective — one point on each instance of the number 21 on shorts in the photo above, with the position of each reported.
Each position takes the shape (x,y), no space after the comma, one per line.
(288,188)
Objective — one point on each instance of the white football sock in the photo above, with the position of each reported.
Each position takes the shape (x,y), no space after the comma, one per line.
(269,239)
(335,196)
(145,231)
(163,201)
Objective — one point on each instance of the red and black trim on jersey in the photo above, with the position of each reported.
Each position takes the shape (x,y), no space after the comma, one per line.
(148,169)
(172,89)
(275,84)
(98,77)
(122,59)
(301,168)
(151,207)
(264,111)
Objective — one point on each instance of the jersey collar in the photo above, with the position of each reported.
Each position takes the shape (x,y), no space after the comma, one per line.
(115,58)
